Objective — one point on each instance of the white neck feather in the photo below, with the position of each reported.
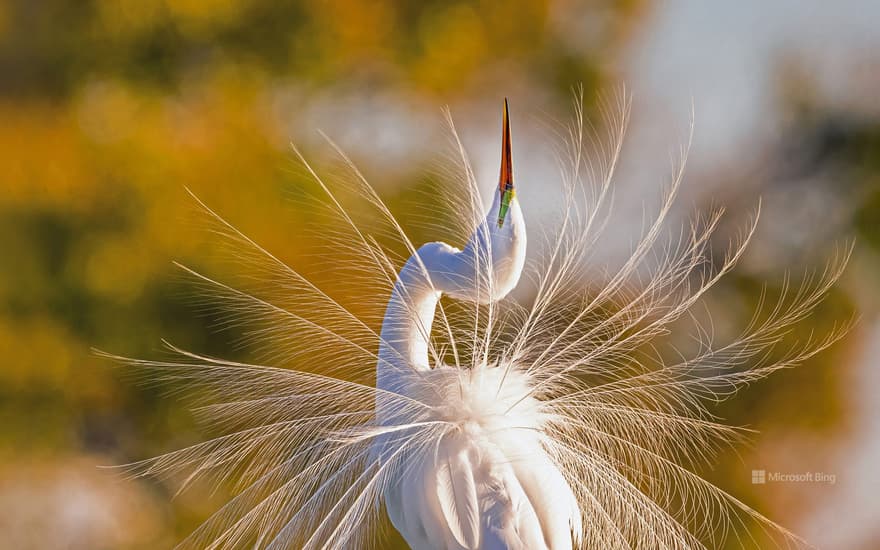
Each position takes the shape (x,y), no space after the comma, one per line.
(438,268)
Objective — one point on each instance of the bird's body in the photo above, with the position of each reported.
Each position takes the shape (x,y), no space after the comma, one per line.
(547,426)
(487,483)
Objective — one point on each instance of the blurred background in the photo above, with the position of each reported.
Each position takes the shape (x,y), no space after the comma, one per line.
(108,108)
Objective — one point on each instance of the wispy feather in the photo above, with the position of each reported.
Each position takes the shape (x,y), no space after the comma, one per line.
(574,371)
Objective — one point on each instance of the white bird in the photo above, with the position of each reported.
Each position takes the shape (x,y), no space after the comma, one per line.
(474,421)
(487,482)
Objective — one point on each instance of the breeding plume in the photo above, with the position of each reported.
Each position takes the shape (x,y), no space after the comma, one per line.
(416,394)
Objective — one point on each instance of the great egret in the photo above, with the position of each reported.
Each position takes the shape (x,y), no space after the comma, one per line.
(490,424)
(487,482)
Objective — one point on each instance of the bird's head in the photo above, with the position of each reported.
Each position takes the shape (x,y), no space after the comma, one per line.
(490,264)
(505,223)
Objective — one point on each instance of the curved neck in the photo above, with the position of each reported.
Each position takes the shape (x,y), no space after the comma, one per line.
(486,269)
(406,328)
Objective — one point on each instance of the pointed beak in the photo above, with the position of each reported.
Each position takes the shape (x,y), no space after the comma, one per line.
(505,180)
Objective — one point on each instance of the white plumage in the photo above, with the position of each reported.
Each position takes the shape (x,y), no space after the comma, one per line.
(556,424)
(488,483)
